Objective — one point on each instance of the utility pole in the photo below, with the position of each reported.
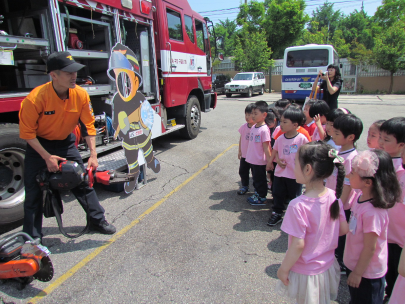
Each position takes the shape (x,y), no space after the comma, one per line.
(362,6)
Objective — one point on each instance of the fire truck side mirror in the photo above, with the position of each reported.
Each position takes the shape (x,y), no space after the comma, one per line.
(220,43)
(221,56)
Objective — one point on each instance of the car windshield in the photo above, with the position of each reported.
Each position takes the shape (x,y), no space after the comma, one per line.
(214,77)
(243,77)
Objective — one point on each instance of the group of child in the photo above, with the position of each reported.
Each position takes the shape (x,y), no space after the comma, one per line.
(351,216)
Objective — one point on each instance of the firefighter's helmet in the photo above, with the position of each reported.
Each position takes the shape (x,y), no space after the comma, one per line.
(123,57)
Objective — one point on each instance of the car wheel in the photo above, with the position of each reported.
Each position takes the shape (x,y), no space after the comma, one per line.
(228,95)
(262,91)
(250,93)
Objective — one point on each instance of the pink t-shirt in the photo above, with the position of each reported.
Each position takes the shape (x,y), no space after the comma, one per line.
(366,219)
(309,219)
(348,156)
(287,148)
(396,227)
(244,131)
(316,136)
(255,152)
(398,293)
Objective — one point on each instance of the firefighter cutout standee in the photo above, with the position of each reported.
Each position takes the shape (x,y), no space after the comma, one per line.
(133,115)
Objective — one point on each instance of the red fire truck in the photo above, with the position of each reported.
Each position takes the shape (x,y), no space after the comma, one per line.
(170,40)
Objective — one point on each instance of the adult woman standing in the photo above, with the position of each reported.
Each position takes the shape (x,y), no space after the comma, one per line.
(331,85)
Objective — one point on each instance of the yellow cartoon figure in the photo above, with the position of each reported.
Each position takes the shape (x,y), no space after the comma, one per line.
(132,113)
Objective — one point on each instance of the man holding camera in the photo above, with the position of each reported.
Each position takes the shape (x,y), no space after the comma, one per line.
(331,85)
(48,116)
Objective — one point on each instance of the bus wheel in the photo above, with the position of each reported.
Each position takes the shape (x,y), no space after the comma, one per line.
(192,120)
(12,192)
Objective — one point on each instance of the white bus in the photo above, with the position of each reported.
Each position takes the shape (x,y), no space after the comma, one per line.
(301,65)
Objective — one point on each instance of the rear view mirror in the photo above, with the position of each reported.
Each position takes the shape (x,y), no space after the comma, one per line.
(221,56)
(220,43)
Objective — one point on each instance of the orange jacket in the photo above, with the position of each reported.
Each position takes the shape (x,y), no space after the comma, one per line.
(299,130)
(45,115)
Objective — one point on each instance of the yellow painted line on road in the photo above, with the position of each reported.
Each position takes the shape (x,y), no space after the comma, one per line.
(118,235)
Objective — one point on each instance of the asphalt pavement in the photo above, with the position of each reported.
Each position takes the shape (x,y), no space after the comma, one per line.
(186,237)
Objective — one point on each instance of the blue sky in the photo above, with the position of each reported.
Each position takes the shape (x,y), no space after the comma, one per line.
(370,6)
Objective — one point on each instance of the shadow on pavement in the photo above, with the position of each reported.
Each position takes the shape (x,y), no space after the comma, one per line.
(10,288)
(271,270)
(280,244)
(251,217)
(56,246)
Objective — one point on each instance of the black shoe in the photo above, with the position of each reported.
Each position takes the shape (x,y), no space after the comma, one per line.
(104,227)
(275,219)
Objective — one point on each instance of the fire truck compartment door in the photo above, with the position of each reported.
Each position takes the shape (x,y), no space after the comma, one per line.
(187,65)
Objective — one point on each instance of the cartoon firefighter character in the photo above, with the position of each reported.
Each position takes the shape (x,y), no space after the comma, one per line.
(132,113)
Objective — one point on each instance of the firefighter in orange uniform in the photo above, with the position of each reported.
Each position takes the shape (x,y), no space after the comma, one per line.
(48,116)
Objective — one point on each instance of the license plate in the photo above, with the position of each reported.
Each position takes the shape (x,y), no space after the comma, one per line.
(233,90)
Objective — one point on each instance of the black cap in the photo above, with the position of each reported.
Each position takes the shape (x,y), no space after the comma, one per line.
(62,61)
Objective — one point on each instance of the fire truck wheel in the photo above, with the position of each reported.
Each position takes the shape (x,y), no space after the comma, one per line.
(192,119)
(12,153)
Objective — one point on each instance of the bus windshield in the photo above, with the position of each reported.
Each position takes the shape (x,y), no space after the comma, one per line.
(243,77)
(307,58)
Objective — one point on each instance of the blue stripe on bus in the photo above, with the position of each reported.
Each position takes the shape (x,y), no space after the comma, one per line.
(298,95)
(298,78)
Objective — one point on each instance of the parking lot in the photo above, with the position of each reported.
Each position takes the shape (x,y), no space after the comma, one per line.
(186,237)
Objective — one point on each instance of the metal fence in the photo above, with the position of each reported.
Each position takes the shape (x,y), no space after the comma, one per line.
(362,70)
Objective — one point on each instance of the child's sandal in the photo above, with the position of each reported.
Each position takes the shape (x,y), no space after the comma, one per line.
(243,190)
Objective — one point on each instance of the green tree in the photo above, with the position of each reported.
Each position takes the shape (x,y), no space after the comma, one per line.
(227,31)
(357,27)
(389,50)
(389,13)
(325,16)
(252,53)
(282,20)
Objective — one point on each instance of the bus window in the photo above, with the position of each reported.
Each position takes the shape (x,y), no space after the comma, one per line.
(335,59)
(199,34)
(174,25)
(188,22)
(307,58)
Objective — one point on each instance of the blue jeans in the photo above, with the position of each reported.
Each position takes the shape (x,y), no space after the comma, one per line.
(370,291)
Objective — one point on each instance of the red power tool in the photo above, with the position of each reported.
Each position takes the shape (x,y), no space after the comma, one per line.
(24,260)
(71,175)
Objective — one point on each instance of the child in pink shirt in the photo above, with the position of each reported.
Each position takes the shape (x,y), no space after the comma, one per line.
(258,153)
(398,294)
(318,112)
(285,188)
(366,253)
(313,221)
(373,135)
(346,131)
(244,167)
(392,140)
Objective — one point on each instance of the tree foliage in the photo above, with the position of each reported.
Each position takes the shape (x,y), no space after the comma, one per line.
(282,20)
(389,49)
(252,53)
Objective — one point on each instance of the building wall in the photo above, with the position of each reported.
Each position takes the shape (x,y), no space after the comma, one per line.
(380,83)
(364,84)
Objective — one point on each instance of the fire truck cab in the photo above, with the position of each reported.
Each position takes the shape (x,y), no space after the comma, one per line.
(172,46)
